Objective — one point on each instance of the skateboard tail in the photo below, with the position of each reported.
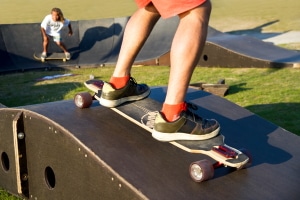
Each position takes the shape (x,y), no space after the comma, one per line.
(232,157)
(236,159)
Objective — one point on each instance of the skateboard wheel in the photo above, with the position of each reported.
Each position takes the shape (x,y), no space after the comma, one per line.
(201,170)
(83,100)
(64,60)
(249,155)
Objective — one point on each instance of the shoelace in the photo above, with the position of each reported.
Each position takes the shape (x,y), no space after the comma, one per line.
(149,118)
(132,81)
(190,112)
(133,85)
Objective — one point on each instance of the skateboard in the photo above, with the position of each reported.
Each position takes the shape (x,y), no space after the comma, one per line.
(143,113)
(50,56)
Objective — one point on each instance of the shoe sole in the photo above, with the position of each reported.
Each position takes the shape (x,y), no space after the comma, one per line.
(115,103)
(168,137)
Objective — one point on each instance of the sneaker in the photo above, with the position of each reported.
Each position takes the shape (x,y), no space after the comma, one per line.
(132,91)
(188,126)
(68,55)
(43,55)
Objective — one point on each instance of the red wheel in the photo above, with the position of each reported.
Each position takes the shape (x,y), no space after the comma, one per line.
(248,154)
(201,170)
(83,100)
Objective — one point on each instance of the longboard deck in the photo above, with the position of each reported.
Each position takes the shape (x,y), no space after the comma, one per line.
(139,112)
(51,56)
(142,112)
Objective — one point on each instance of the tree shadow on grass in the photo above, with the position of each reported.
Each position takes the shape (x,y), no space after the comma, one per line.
(233,89)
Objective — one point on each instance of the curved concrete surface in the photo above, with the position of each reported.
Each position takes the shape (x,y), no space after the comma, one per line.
(97,42)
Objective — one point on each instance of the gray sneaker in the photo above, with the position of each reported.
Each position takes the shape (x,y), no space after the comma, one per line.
(188,126)
(43,55)
(132,91)
(68,55)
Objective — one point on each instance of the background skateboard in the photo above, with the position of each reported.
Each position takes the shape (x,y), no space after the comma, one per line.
(143,113)
(51,56)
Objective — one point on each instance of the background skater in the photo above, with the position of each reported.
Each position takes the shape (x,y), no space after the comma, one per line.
(51,27)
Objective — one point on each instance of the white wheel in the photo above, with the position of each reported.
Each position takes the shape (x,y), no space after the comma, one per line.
(201,170)
(83,100)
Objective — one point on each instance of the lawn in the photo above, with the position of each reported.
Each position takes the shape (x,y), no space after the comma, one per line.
(273,94)
(227,15)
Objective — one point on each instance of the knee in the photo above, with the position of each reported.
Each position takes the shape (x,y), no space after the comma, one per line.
(202,11)
(58,43)
(151,8)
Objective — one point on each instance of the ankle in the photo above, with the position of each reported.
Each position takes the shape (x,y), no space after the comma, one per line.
(172,111)
(119,82)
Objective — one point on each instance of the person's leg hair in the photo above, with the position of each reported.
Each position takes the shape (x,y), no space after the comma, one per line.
(137,31)
(186,50)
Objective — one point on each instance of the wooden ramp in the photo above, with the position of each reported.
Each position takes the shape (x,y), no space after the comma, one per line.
(69,153)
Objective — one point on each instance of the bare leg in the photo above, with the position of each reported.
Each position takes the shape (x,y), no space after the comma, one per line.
(137,31)
(62,46)
(185,52)
(45,43)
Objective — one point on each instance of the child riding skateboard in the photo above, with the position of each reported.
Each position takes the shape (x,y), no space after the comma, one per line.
(51,27)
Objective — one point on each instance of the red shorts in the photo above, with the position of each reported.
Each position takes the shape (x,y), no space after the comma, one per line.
(170,8)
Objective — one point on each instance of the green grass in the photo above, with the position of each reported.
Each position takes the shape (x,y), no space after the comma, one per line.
(6,196)
(274,94)
(227,15)
(30,11)
(271,93)
(232,15)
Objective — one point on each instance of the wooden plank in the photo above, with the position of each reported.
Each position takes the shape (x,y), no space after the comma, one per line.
(9,170)
(160,170)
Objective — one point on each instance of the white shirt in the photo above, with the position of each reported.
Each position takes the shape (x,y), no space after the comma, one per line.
(51,27)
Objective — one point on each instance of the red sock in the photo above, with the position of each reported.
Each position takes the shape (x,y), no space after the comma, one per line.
(172,112)
(119,82)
